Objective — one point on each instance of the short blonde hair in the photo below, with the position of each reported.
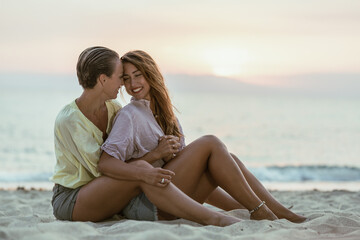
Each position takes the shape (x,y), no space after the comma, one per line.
(93,62)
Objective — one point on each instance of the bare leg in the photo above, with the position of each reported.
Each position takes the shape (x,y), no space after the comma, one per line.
(208,191)
(221,199)
(104,196)
(209,154)
(276,207)
(216,196)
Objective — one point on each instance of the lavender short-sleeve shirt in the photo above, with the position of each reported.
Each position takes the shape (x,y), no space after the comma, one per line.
(135,132)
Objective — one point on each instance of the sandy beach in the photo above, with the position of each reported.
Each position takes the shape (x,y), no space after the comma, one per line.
(27,214)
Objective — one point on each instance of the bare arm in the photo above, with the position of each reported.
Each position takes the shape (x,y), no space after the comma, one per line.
(120,170)
(149,157)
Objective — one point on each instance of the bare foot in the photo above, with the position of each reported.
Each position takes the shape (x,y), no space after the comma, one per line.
(263,213)
(222,220)
(291,216)
(295,218)
(228,220)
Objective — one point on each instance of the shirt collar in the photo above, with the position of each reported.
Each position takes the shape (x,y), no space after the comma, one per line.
(143,101)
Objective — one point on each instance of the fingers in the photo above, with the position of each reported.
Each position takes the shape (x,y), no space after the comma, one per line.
(164,178)
(163,183)
(168,174)
(176,146)
(168,145)
(162,138)
(174,143)
(157,176)
(171,138)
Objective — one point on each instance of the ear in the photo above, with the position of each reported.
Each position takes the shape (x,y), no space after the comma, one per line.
(102,79)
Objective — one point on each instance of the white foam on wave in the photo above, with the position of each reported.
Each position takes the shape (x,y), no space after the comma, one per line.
(307,173)
(273,177)
(267,174)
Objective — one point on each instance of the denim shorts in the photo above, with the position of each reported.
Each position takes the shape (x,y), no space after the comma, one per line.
(140,208)
(63,201)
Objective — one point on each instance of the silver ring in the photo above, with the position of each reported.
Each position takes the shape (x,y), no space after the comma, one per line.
(162,180)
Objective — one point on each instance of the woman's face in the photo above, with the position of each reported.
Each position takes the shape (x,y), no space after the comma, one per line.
(114,82)
(135,83)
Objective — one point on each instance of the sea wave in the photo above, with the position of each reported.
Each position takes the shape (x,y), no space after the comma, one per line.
(306,173)
(267,174)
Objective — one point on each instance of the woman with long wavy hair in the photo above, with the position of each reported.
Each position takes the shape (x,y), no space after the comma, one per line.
(148,129)
(86,190)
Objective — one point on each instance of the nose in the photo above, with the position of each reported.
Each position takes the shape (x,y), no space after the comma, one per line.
(131,82)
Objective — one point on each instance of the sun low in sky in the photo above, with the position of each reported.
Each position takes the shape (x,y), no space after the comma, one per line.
(238,39)
(227,61)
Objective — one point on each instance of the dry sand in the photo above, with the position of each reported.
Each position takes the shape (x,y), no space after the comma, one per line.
(331,215)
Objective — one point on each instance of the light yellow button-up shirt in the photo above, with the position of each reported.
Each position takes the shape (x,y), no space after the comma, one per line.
(77,145)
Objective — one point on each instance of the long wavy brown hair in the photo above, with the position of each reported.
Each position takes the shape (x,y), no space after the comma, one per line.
(159,96)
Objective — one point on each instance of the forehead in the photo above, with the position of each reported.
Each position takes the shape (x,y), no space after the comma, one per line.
(118,66)
(129,68)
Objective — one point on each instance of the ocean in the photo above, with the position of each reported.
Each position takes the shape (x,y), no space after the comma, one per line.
(289,141)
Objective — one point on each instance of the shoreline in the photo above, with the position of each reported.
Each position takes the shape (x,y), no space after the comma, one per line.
(27,214)
(272,186)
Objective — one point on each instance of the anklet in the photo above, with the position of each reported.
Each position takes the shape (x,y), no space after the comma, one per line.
(257,208)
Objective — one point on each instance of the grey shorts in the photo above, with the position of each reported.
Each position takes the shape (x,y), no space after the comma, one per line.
(63,201)
(140,208)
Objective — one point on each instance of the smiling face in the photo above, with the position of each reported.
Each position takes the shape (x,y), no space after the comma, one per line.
(113,83)
(135,82)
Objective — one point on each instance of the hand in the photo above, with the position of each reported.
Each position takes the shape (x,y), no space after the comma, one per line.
(155,176)
(168,146)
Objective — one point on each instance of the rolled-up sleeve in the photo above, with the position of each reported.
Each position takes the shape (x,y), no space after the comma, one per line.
(120,143)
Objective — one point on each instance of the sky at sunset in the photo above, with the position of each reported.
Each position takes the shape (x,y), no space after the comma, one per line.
(244,40)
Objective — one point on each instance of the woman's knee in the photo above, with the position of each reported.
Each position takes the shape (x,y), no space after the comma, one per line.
(213,141)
